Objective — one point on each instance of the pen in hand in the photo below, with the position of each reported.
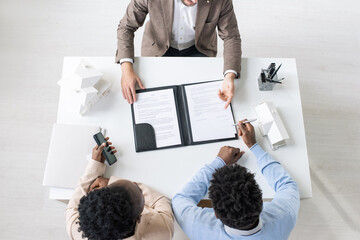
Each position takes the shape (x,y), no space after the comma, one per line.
(248,121)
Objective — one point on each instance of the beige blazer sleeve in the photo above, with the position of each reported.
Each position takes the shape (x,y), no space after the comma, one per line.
(93,170)
(228,31)
(133,19)
(161,204)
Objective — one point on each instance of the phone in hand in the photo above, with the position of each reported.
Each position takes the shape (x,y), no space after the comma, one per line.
(107,152)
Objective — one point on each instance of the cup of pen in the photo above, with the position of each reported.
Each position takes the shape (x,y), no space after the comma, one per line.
(268,78)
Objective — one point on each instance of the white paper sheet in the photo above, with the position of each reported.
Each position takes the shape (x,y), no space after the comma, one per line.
(158,109)
(56,193)
(66,160)
(208,118)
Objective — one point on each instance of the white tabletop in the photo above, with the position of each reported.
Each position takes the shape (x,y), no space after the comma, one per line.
(168,170)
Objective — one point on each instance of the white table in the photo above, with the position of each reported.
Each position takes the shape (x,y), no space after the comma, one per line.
(168,170)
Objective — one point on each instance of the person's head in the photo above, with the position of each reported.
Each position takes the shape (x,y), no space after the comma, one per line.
(111,212)
(236,197)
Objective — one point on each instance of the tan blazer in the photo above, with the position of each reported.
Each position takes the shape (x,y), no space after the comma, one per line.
(157,34)
(157,219)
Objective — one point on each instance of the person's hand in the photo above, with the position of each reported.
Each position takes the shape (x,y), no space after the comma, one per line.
(97,151)
(246,131)
(227,92)
(100,182)
(128,82)
(230,155)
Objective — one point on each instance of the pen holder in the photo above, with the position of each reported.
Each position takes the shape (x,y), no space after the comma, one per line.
(265,85)
(268,78)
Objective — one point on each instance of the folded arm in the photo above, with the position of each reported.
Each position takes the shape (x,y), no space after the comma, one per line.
(161,205)
(185,202)
(286,190)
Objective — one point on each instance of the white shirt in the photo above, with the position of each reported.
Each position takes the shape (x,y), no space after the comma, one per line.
(237,232)
(183,27)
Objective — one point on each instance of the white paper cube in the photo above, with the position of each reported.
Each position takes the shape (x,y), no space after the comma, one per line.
(93,95)
(271,125)
(88,84)
(87,94)
(84,76)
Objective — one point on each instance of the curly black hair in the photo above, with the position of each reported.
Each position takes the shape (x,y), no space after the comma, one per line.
(236,197)
(107,213)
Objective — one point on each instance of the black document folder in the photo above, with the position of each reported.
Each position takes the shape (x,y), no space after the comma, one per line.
(145,133)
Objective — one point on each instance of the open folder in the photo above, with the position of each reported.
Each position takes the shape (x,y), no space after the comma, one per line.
(181,115)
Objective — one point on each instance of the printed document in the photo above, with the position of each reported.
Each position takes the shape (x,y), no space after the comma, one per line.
(158,109)
(208,118)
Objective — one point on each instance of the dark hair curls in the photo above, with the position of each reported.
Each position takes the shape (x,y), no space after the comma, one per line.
(107,213)
(236,197)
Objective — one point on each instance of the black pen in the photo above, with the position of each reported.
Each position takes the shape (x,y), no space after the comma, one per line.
(271,69)
(273,75)
(273,81)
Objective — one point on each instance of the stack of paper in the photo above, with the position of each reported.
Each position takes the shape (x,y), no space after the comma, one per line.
(67,157)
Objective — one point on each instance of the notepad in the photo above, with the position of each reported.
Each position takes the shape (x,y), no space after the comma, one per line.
(69,147)
(175,116)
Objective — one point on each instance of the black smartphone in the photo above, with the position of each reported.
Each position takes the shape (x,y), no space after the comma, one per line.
(109,156)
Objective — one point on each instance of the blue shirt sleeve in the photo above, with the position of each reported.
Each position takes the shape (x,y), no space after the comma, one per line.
(185,202)
(287,198)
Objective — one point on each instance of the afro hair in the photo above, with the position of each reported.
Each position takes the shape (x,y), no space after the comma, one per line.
(107,213)
(236,197)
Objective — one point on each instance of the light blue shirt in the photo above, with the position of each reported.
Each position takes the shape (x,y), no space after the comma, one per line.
(277,218)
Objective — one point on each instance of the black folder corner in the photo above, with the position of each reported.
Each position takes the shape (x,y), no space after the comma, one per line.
(144,135)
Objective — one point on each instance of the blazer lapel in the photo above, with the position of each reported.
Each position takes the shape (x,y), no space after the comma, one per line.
(203,10)
(168,14)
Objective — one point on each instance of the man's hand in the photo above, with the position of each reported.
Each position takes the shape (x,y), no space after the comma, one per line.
(100,182)
(230,155)
(128,82)
(246,131)
(97,151)
(227,92)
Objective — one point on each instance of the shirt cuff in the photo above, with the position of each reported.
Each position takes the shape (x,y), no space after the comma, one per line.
(257,150)
(231,71)
(218,163)
(126,60)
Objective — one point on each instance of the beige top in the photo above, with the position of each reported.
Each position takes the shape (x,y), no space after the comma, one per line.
(157,219)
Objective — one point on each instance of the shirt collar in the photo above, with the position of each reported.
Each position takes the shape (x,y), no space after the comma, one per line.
(237,232)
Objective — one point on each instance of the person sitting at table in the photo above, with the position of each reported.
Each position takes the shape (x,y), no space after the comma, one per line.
(238,210)
(184,28)
(103,208)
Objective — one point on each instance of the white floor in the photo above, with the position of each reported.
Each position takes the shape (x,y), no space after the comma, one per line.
(324,37)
